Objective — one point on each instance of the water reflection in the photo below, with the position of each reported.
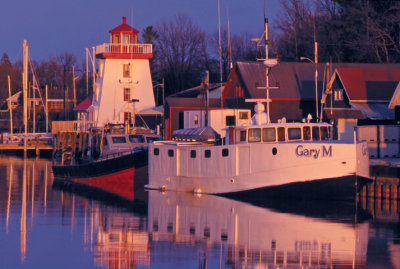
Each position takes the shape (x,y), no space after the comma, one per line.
(43,226)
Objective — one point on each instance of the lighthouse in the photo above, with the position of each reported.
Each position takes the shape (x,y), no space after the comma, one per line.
(123,86)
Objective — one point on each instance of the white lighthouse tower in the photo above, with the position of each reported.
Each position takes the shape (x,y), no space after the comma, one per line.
(124,86)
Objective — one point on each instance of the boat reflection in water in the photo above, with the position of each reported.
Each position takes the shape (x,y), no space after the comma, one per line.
(252,236)
(42,226)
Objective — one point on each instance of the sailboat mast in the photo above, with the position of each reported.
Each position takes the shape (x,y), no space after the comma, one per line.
(25,85)
(10,106)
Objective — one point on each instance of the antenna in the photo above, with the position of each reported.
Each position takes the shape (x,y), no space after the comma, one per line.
(219,43)
(269,63)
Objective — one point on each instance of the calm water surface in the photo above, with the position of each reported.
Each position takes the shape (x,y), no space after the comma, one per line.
(45,226)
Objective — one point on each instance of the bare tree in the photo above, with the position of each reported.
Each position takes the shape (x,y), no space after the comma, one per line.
(180,52)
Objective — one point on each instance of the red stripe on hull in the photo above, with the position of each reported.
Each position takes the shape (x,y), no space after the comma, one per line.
(120,183)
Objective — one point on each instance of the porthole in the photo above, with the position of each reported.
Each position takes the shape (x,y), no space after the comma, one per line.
(274,151)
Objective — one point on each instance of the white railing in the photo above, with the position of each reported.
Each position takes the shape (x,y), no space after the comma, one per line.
(124,48)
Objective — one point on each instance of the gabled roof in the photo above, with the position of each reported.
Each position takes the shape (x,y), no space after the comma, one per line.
(297,80)
(195,91)
(124,28)
(395,101)
(369,84)
(85,104)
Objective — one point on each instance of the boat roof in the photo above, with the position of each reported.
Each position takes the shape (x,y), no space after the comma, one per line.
(283,124)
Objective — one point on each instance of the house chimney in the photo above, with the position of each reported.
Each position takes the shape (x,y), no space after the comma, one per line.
(123,20)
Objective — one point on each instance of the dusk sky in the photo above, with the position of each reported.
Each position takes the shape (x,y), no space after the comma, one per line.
(54,26)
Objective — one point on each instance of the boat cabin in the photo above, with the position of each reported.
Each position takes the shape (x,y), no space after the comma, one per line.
(286,132)
(113,143)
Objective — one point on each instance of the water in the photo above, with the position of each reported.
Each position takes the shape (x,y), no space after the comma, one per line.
(45,226)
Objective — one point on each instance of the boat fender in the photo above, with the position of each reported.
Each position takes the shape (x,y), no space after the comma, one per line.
(197,190)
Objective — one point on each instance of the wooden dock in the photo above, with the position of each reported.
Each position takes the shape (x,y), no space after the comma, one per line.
(37,148)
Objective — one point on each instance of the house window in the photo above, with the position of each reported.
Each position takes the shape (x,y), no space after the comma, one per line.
(338,94)
(127,94)
(230,120)
(127,71)
(243,115)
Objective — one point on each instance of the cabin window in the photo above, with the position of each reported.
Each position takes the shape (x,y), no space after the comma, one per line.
(104,141)
(207,153)
(243,115)
(281,134)
(136,138)
(306,133)
(192,154)
(324,133)
(254,135)
(118,139)
(338,94)
(315,133)
(127,70)
(156,151)
(225,152)
(151,139)
(268,135)
(294,133)
(243,135)
(171,153)
(127,94)
(230,120)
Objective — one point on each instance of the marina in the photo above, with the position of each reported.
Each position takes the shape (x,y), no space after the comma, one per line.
(150,154)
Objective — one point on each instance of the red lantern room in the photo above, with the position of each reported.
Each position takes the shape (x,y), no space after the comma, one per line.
(123,34)
(124,44)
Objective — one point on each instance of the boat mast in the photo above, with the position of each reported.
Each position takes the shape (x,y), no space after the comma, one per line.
(9,106)
(25,87)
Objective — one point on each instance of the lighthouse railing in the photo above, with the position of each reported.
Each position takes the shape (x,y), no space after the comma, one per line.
(124,48)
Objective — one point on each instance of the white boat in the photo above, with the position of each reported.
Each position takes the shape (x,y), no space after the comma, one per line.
(258,155)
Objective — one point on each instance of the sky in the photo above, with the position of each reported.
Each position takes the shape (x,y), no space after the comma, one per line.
(55,26)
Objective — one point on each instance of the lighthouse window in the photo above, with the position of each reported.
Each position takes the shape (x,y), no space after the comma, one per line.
(268,135)
(294,133)
(127,94)
(254,135)
(281,133)
(127,70)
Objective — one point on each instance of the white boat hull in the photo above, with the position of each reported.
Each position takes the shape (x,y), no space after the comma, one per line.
(253,165)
